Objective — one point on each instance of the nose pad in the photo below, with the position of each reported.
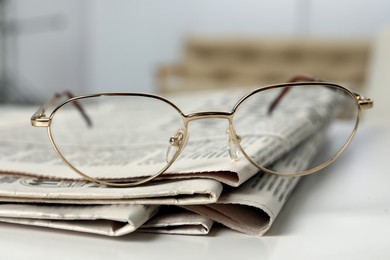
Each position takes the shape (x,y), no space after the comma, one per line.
(231,143)
(176,143)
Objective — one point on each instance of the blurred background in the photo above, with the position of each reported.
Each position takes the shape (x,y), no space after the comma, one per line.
(160,46)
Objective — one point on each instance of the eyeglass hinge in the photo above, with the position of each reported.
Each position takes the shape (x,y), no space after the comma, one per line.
(40,120)
(365,103)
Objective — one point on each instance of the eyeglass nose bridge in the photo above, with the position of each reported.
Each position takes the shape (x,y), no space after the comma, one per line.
(208,114)
(233,139)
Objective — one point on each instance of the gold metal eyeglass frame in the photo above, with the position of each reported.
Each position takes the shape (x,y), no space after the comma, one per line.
(41,119)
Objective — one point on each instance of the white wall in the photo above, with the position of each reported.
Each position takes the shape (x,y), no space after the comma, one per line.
(46,46)
(116,45)
(132,37)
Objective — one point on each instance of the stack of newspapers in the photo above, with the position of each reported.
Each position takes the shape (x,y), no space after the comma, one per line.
(204,186)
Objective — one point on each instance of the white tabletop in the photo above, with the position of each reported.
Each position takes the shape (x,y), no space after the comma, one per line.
(340,213)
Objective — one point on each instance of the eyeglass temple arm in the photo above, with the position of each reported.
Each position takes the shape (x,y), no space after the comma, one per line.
(40,119)
(364,102)
(297,78)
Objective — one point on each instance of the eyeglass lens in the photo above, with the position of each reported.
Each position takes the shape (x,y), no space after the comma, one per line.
(124,129)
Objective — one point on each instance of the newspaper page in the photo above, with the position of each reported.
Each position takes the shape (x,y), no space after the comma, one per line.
(26,150)
(253,207)
(250,208)
(108,220)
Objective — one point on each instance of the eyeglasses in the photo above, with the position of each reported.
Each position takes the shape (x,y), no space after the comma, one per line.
(104,137)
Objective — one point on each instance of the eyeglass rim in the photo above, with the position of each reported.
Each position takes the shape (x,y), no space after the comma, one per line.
(189,117)
(355,96)
(103,181)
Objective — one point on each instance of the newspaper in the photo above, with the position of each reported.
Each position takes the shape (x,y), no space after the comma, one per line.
(250,209)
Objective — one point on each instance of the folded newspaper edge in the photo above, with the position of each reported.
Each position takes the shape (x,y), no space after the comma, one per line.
(35,190)
(181,222)
(108,220)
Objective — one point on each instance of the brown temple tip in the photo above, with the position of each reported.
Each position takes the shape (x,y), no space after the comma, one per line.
(296,78)
(302,77)
(69,94)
